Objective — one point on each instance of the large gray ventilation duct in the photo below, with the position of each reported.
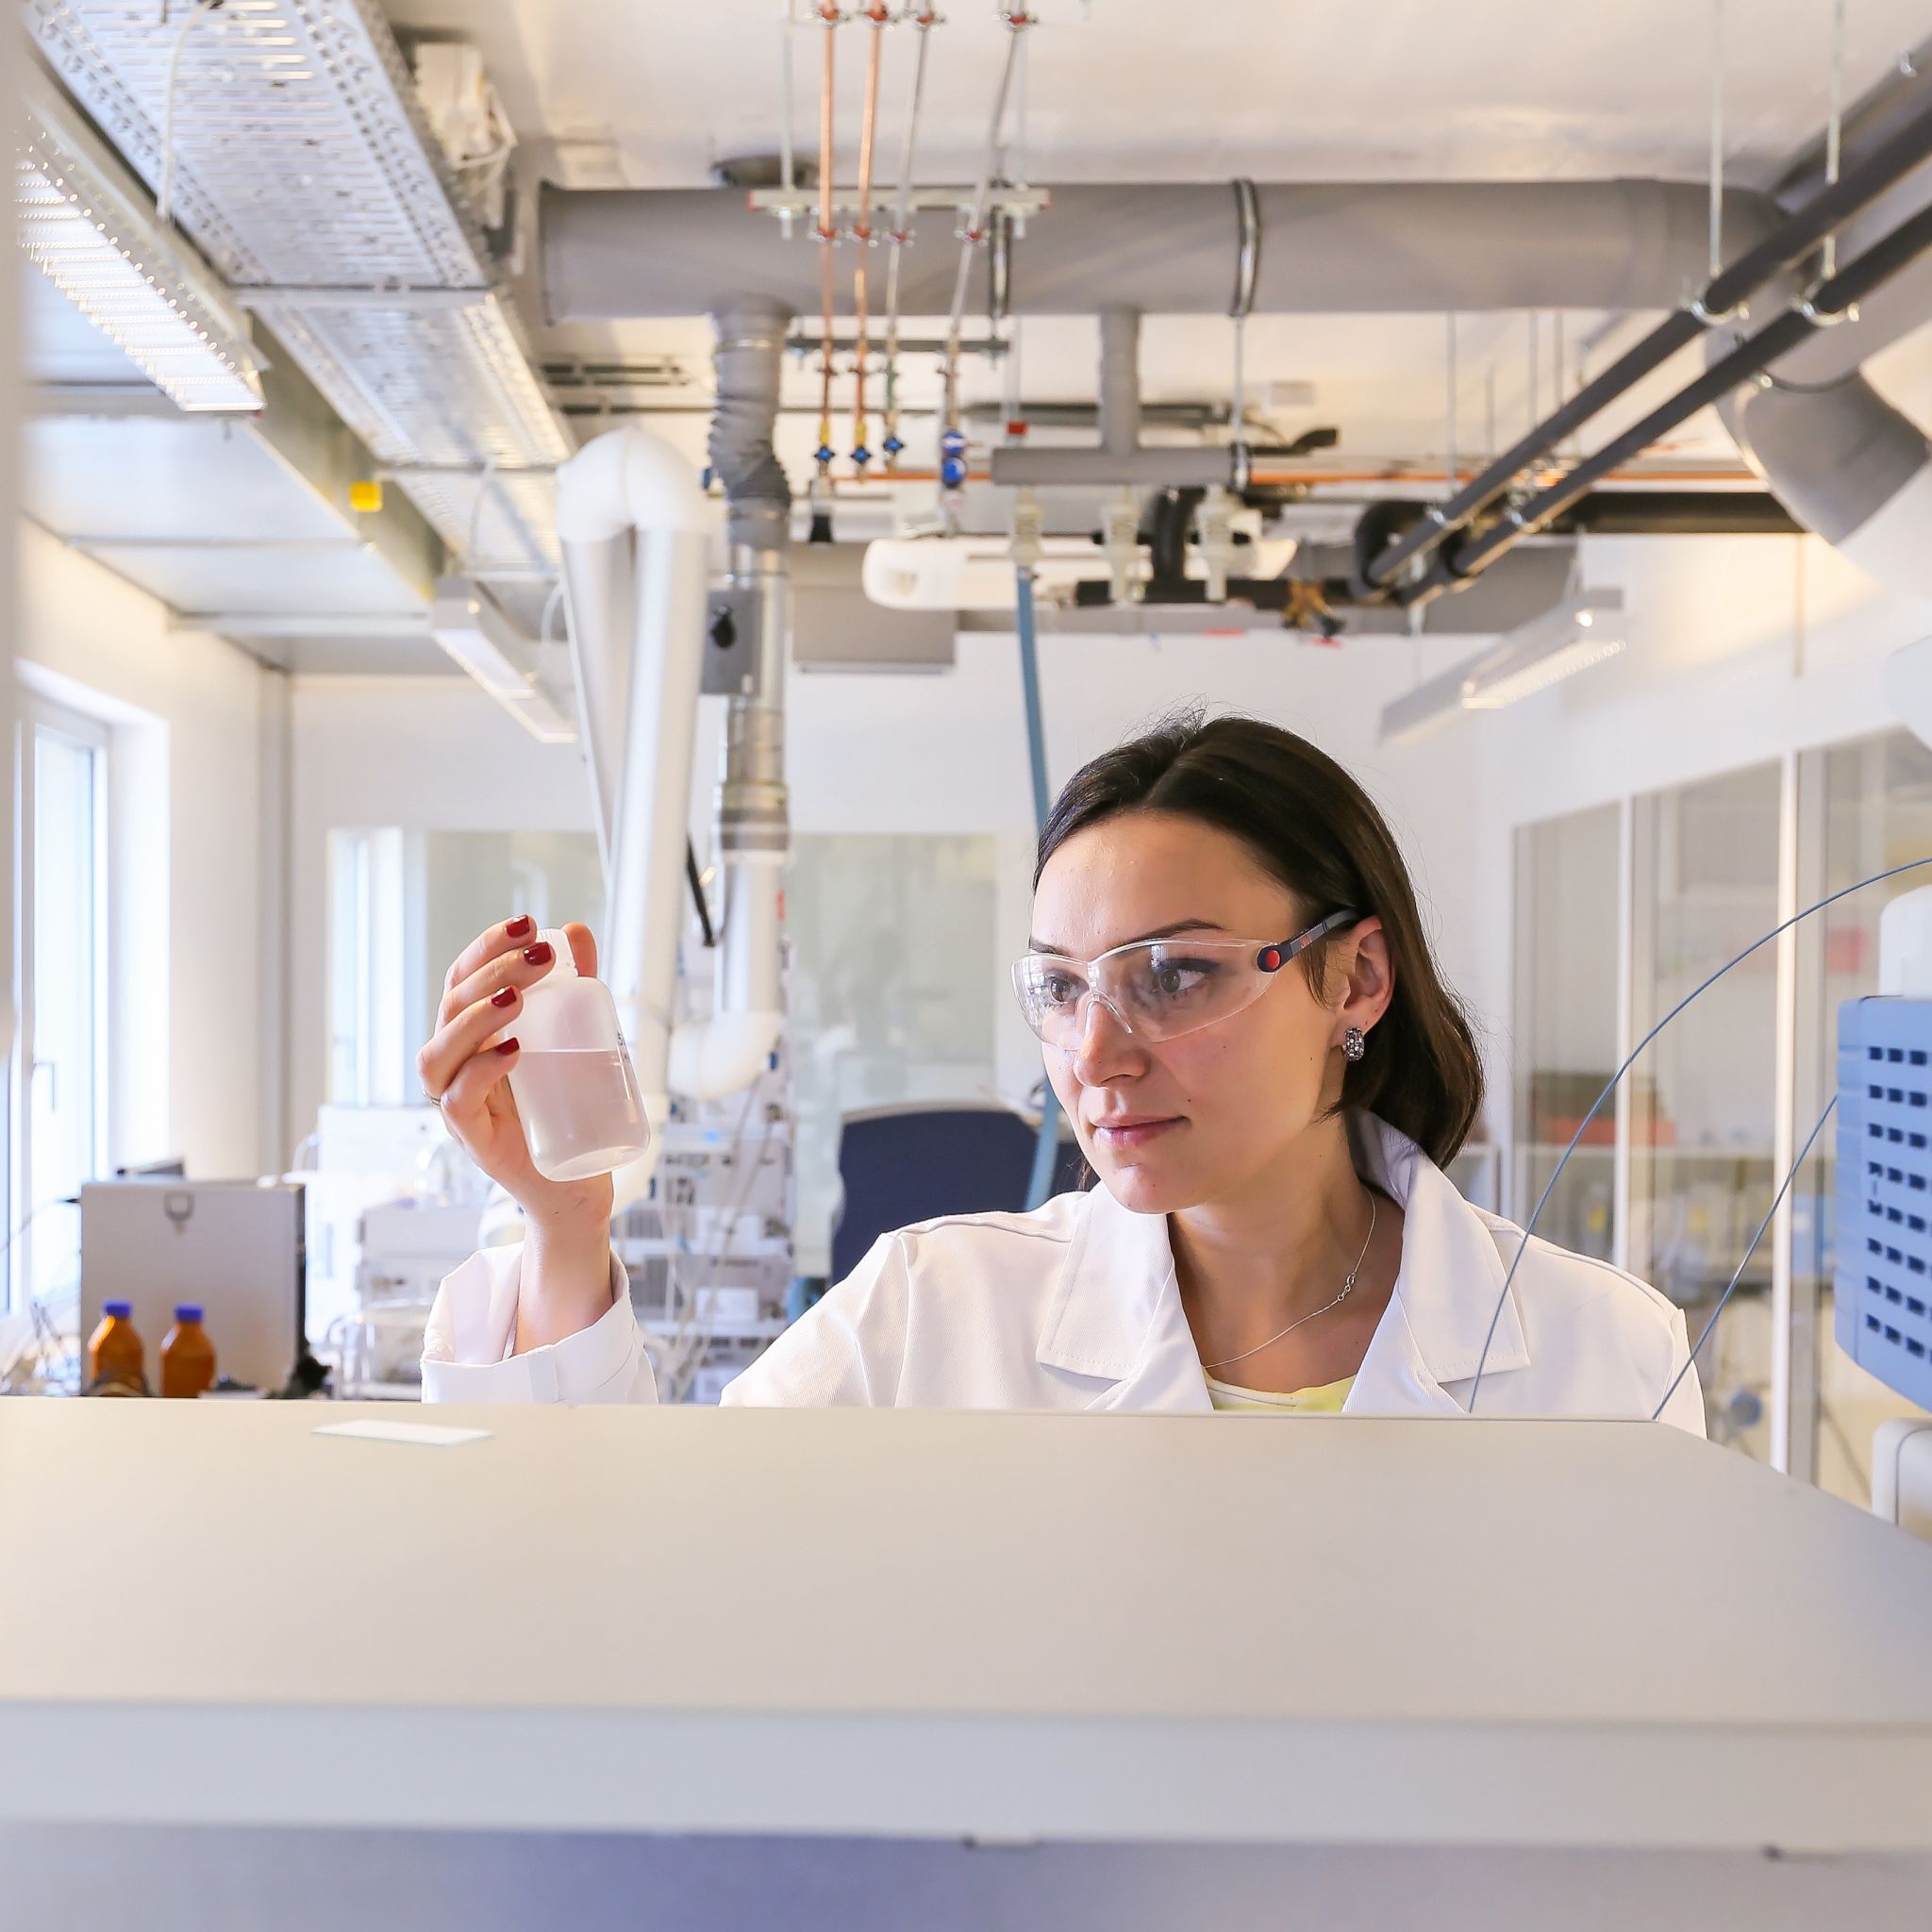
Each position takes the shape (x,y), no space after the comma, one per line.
(1168,249)
(1846,463)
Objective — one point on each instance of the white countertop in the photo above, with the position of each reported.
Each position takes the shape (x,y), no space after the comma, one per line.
(1165,1628)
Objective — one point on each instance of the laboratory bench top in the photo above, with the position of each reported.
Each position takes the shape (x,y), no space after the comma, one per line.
(896,1624)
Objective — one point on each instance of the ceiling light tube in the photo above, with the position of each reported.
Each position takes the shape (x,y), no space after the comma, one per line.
(476,632)
(1553,645)
(87,228)
(1544,651)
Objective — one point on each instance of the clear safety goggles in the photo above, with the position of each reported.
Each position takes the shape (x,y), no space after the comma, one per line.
(1156,989)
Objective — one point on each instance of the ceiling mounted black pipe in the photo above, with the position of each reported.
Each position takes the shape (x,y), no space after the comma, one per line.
(1790,243)
(1825,304)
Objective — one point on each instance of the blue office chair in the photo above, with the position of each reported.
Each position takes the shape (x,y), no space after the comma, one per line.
(902,1165)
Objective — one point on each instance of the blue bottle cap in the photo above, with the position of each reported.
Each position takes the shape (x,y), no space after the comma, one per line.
(188,1311)
(124,1310)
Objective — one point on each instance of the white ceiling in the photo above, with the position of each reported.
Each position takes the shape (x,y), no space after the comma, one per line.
(1131,89)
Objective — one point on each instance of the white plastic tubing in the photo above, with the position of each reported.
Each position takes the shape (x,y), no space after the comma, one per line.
(634,529)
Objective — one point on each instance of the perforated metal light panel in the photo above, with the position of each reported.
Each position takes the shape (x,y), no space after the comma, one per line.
(303,162)
(1884,1275)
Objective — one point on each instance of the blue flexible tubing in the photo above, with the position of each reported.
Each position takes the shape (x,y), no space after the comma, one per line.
(1045,1149)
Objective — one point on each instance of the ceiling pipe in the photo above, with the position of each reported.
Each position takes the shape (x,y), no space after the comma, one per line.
(1602,513)
(1826,306)
(1169,248)
(1120,456)
(1781,245)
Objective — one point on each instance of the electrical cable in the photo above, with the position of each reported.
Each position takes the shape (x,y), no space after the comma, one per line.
(788,162)
(1717,138)
(1630,1061)
(682,1373)
(1834,127)
(164,196)
(699,902)
(1704,1334)
(1046,1147)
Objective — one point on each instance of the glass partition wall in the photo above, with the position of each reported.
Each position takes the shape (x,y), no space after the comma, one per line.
(1702,1117)
(1623,911)
(1567,971)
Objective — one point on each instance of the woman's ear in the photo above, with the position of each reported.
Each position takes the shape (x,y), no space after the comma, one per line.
(1370,978)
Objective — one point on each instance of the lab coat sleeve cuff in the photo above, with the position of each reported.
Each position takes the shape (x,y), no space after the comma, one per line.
(472,1331)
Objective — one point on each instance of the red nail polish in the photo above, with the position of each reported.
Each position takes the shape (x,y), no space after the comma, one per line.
(507,1045)
(518,926)
(506,996)
(539,955)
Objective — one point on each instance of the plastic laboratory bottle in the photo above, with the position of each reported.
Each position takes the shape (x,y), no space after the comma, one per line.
(114,1351)
(575,1085)
(188,1357)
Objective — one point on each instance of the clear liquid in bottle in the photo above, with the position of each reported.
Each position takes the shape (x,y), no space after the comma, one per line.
(581,1111)
(576,1089)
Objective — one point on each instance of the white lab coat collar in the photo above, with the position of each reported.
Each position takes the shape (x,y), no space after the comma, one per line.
(1116,1314)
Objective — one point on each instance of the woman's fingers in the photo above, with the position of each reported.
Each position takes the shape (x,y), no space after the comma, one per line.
(511,936)
(518,968)
(466,1103)
(454,1044)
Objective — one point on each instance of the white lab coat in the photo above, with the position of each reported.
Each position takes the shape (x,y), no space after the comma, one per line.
(1077,1306)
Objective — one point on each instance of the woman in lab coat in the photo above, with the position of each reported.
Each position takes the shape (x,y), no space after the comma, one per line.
(1242,1018)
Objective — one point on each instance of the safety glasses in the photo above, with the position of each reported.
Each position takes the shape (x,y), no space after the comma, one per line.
(1156,989)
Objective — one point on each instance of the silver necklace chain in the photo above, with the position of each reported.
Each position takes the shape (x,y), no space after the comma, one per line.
(1347,1289)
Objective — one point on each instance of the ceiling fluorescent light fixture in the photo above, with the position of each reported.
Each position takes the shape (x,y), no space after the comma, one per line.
(1578,633)
(1555,645)
(468,623)
(91,233)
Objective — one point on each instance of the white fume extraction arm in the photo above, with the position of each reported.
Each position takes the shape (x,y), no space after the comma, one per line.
(633,526)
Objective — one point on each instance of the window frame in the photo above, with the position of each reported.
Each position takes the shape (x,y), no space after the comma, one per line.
(38,714)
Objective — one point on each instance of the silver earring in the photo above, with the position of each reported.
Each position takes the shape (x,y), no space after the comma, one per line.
(1353,1045)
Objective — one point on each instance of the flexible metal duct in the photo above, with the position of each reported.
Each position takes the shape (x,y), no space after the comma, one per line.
(634,529)
(1168,248)
(754,821)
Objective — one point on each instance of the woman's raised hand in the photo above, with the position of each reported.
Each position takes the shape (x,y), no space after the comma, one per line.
(464,1067)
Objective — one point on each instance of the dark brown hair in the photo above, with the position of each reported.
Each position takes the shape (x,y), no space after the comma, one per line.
(1317,831)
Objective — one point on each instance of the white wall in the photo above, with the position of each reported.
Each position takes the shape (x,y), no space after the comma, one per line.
(878,754)
(949,753)
(191,982)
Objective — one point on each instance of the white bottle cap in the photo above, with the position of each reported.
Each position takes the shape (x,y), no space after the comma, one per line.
(565,964)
